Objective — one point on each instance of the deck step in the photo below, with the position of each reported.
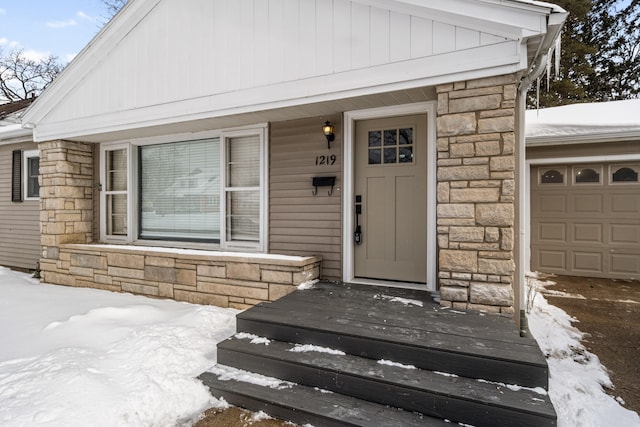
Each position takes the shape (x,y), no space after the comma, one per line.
(463,400)
(515,362)
(308,405)
(467,367)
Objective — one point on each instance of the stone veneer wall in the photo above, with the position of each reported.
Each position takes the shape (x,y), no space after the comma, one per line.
(203,277)
(66,196)
(476,193)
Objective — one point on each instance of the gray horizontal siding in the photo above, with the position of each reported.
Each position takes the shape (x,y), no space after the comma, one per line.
(299,222)
(19,222)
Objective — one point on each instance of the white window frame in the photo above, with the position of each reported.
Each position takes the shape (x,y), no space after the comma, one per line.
(26,155)
(103,193)
(260,130)
(261,245)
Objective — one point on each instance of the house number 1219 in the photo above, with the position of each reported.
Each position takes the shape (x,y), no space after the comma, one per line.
(326,160)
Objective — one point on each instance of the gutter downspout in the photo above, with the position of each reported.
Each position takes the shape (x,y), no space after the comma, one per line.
(555,21)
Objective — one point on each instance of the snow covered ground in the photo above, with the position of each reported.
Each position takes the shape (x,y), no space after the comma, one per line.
(77,357)
(576,376)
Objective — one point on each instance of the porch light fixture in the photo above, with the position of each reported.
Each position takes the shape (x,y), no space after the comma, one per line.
(327,130)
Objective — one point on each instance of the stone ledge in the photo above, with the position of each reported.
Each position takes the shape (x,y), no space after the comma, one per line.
(197,254)
(206,277)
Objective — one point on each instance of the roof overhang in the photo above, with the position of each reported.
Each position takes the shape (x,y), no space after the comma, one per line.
(529,27)
(14,134)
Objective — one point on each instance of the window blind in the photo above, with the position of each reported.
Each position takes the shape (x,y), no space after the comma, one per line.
(180,191)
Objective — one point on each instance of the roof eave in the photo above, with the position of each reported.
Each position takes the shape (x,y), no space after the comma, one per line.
(593,138)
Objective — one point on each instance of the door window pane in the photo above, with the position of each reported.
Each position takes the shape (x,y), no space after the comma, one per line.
(398,146)
(406,136)
(375,138)
(390,155)
(390,137)
(406,154)
(180,191)
(375,157)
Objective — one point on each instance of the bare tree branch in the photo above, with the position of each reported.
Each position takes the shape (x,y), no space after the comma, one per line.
(22,77)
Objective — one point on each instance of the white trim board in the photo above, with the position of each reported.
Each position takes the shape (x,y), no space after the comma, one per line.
(350,118)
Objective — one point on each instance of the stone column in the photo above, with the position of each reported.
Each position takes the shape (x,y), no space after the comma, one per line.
(476,193)
(66,200)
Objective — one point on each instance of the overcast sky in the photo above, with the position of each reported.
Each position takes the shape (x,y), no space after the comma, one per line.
(43,27)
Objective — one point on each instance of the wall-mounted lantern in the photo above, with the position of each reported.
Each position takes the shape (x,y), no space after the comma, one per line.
(327,130)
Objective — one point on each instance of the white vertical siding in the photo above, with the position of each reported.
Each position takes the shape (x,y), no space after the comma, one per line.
(197,48)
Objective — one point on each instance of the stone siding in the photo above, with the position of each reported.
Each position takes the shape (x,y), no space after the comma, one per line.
(476,193)
(202,277)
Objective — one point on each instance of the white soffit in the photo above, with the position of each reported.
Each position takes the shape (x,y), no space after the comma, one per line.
(159,61)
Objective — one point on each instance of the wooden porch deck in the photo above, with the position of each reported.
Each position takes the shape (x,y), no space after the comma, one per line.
(403,360)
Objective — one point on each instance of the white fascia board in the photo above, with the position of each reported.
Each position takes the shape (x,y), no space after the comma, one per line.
(445,13)
(15,133)
(89,57)
(509,17)
(487,61)
(545,141)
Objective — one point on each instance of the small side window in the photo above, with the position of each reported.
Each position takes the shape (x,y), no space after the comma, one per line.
(587,176)
(625,174)
(31,171)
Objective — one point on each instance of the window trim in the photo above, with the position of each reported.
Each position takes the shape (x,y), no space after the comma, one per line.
(578,168)
(613,168)
(560,169)
(103,193)
(260,129)
(261,244)
(26,155)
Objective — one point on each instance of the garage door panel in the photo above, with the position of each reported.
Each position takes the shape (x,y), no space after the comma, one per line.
(552,232)
(587,204)
(554,204)
(587,233)
(626,204)
(625,264)
(587,262)
(624,234)
(552,260)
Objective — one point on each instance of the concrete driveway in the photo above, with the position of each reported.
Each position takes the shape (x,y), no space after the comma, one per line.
(609,312)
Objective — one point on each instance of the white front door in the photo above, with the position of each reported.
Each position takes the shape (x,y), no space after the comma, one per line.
(391,190)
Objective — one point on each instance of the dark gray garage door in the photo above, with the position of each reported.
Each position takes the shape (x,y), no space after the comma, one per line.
(585,220)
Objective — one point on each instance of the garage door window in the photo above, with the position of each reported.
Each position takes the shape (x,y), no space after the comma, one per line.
(624,174)
(587,176)
(552,176)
